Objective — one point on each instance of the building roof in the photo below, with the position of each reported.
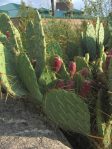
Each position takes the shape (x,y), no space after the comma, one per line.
(43,10)
(11,9)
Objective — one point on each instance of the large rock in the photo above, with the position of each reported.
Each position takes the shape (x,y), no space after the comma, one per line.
(22,126)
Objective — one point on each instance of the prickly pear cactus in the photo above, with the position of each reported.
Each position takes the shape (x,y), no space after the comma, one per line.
(81,63)
(54,48)
(101,34)
(99,37)
(14,39)
(30,42)
(47,76)
(107,133)
(78,79)
(40,45)
(28,77)
(104,56)
(67,110)
(101,40)
(110,84)
(9,79)
(3,38)
(63,74)
(86,58)
(97,27)
(91,40)
(99,114)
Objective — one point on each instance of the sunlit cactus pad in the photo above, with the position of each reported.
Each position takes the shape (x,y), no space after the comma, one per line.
(9,78)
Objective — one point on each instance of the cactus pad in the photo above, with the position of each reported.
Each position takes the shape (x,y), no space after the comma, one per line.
(40,45)
(7,25)
(9,78)
(67,110)
(91,41)
(28,77)
(81,63)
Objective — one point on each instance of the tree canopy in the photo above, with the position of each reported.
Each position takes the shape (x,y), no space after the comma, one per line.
(97,7)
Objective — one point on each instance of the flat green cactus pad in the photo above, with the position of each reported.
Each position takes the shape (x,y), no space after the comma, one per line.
(91,40)
(68,111)
(48,76)
(81,63)
(9,78)
(28,76)
(7,25)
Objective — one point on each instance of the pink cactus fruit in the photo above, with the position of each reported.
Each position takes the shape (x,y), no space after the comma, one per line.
(60,84)
(69,85)
(85,72)
(72,68)
(86,88)
(57,64)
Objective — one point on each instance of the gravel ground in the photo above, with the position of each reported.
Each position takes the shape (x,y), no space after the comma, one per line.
(22,126)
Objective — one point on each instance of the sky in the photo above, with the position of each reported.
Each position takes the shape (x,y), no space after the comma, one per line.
(78,4)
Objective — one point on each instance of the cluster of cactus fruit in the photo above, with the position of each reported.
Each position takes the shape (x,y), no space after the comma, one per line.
(73,95)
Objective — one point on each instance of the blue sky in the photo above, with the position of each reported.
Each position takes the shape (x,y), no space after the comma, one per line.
(78,4)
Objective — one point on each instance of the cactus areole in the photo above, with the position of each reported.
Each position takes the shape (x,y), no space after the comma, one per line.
(57,64)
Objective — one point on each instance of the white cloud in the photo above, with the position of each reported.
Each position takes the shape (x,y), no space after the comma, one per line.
(78,4)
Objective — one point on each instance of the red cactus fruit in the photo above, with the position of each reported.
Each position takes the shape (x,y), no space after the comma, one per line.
(86,88)
(8,34)
(57,63)
(60,84)
(85,72)
(69,85)
(72,68)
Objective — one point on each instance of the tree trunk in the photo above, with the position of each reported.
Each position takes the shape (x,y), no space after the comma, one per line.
(52,5)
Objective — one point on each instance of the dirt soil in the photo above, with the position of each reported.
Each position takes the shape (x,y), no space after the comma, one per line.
(22,126)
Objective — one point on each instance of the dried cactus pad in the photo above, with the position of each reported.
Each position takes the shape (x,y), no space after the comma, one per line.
(68,111)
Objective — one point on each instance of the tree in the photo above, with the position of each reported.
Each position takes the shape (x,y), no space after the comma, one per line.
(97,7)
